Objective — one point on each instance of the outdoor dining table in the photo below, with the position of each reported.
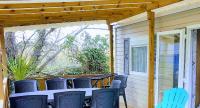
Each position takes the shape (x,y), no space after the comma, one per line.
(50,93)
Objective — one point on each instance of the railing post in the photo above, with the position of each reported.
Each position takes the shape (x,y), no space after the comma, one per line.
(151,21)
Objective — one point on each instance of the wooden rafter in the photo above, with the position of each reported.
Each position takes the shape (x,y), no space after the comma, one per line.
(58,12)
(107,13)
(30,19)
(73,4)
(71,9)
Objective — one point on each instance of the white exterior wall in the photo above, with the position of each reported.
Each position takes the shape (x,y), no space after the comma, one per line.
(138,32)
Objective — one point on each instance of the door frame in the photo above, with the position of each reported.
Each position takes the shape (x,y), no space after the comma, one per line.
(181,58)
(191,79)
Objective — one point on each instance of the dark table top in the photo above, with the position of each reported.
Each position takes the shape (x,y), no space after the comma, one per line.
(100,77)
(88,92)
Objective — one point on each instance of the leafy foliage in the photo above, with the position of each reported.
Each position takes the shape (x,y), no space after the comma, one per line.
(20,67)
(96,42)
(69,41)
(93,60)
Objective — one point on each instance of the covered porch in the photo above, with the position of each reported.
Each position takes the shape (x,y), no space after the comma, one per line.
(16,14)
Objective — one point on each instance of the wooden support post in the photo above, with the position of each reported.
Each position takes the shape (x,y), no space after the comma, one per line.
(3,51)
(197,98)
(3,61)
(110,27)
(1,86)
(3,70)
(151,20)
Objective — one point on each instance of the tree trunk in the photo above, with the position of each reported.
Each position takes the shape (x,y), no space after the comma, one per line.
(10,44)
(41,41)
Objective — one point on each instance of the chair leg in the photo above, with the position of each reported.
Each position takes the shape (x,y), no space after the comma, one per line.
(124,96)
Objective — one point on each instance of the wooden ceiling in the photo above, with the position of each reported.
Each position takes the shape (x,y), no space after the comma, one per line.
(21,14)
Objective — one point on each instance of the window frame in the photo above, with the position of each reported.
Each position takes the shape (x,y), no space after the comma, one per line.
(130,63)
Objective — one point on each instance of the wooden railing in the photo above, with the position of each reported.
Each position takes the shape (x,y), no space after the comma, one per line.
(101,82)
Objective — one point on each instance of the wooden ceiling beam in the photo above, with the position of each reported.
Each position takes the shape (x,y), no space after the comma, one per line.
(64,4)
(103,17)
(53,14)
(108,13)
(53,19)
(71,9)
(49,21)
(58,19)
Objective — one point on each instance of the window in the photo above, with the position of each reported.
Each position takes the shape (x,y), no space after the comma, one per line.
(139,59)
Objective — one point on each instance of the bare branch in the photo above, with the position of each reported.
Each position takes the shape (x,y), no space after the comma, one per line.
(48,60)
(25,42)
(75,33)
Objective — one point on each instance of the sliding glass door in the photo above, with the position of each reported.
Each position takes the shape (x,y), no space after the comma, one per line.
(169,61)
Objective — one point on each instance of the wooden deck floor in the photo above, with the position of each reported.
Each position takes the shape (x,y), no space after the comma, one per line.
(122,105)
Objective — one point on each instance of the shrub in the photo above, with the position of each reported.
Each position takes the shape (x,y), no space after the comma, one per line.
(93,60)
(20,67)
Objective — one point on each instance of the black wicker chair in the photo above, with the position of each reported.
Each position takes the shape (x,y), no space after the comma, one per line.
(31,101)
(123,79)
(115,84)
(55,84)
(25,86)
(71,99)
(82,83)
(105,98)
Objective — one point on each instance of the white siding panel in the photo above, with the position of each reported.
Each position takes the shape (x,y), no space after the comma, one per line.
(138,33)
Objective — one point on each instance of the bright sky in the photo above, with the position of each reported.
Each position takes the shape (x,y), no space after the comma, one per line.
(67,30)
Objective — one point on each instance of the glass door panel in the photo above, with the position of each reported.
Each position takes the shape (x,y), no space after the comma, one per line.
(169,57)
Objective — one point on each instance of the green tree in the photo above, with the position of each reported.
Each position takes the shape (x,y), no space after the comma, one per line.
(93,60)
(94,57)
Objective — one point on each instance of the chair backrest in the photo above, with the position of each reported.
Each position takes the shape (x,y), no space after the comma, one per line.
(70,99)
(25,86)
(115,84)
(31,101)
(123,79)
(56,83)
(82,83)
(174,98)
(105,98)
